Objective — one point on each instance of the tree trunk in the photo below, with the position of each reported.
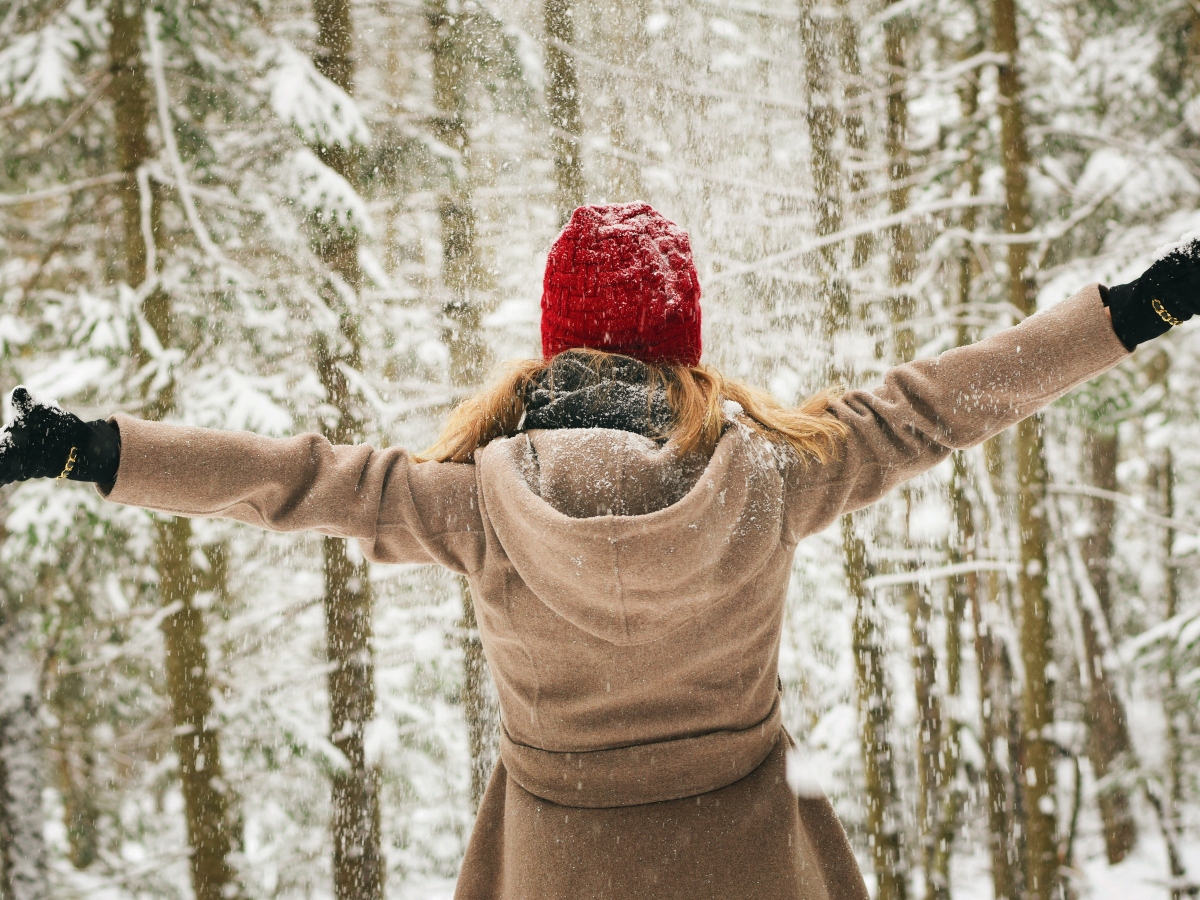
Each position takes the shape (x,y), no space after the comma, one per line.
(961,594)
(1175,701)
(358,863)
(903,259)
(827,36)
(853,98)
(1037,705)
(461,274)
(562,97)
(1037,709)
(930,751)
(995,679)
(875,714)
(994,668)
(208,820)
(1108,729)
(206,800)
(478,700)
(823,43)
(22,847)
(628,96)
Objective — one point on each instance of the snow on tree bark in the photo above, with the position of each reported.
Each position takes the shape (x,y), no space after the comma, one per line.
(562,98)
(930,752)
(206,796)
(22,761)
(358,862)
(826,39)
(1109,744)
(1036,630)
(875,716)
(462,311)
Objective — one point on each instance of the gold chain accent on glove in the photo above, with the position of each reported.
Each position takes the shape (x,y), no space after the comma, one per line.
(70,464)
(1163,314)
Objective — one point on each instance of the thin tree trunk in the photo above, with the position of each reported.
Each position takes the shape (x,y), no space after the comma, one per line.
(562,96)
(994,678)
(853,124)
(1175,702)
(22,847)
(1037,705)
(993,667)
(875,714)
(823,44)
(463,336)
(477,699)
(625,38)
(358,863)
(196,740)
(903,258)
(1108,729)
(826,38)
(930,743)
(964,592)
(931,749)
(206,799)
(961,594)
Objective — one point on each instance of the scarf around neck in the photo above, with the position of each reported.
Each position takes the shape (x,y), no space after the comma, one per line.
(573,393)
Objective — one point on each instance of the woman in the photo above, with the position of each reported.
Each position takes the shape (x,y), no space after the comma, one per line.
(627,521)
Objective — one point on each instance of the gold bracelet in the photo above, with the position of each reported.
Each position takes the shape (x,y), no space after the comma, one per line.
(70,464)
(1163,314)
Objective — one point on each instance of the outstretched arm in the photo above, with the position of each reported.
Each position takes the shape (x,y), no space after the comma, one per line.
(398,510)
(926,409)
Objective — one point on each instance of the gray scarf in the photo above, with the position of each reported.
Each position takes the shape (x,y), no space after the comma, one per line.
(573,394)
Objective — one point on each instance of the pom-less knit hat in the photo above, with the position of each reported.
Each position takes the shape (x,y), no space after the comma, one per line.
(620,278)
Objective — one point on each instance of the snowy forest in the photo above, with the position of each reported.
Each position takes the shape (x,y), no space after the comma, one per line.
(332,216)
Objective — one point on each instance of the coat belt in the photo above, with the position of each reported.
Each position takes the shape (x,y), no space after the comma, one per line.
(644,773)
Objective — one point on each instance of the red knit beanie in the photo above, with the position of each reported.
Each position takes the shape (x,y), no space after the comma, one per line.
(620,278)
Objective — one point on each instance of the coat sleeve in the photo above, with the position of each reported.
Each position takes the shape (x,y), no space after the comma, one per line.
(928,408)
(400,511)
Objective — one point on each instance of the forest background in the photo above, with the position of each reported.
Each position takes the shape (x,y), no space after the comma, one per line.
(286,216)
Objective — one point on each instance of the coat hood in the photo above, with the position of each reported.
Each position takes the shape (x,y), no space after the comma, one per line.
(624,539)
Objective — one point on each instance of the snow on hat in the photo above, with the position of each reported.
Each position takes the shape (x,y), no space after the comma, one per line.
(620,278)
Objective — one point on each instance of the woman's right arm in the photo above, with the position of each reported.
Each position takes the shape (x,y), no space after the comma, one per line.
(398,510)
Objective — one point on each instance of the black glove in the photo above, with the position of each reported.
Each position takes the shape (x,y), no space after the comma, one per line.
(1166,294)
(39,441)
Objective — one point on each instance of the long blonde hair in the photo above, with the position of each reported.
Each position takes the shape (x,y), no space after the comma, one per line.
(695,394)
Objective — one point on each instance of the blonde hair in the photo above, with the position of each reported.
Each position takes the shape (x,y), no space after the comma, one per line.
(695,394)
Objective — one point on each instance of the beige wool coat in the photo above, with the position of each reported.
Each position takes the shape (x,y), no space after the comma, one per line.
(631,606)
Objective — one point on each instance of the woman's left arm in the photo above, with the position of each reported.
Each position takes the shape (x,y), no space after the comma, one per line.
(926,409)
